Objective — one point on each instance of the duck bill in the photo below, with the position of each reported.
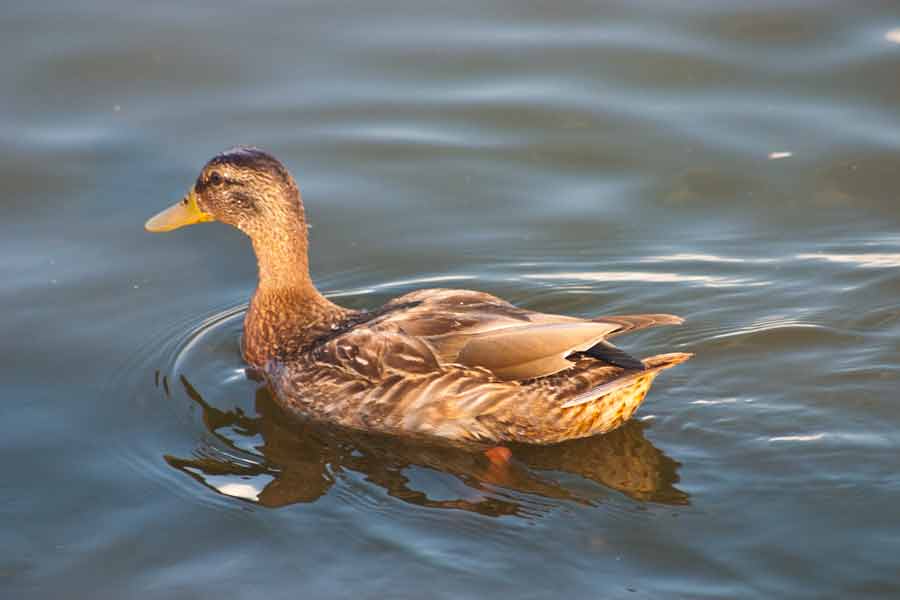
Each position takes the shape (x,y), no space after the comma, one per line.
(186,212)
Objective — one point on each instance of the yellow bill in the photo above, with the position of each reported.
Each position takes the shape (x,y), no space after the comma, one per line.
(178,215)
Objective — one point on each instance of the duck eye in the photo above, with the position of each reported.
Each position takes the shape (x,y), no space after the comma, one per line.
(215,178)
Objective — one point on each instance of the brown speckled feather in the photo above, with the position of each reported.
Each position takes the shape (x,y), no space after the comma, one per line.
(456,364)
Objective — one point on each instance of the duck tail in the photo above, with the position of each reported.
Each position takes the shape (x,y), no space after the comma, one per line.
(661,362)
(652,366)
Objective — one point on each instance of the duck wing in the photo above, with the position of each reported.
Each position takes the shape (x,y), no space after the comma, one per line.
(530,351)
(478,330)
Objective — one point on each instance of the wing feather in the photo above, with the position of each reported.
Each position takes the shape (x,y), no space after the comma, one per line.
(630,323)
(531,351)
(476,329)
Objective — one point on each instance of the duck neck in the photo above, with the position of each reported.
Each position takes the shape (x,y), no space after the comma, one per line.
(282,260)
(286,310)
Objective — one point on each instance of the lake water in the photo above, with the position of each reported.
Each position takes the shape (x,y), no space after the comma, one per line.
(734,163)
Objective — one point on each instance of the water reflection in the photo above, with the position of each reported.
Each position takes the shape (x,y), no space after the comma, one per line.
(871,260)
(273,461)
(645,276)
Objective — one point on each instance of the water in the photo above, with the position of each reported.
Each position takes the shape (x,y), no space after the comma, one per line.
(733,164)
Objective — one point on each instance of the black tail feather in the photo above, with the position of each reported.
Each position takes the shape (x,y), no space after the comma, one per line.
(615,356)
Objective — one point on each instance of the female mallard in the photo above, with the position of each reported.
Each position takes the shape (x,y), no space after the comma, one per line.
(457,364)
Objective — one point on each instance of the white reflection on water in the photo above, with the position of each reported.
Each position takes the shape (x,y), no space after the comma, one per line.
(866,439)
(797,438)
(235,376)
(684,257)
(893,35)
(247,489)
(705,280)
(714,402)
(869,260)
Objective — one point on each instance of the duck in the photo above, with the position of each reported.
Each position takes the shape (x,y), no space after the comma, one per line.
(457,365)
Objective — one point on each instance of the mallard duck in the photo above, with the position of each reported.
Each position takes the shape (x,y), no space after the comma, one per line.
(455,364)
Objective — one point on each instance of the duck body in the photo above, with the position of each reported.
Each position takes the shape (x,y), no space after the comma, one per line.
(405,369)
(460,365)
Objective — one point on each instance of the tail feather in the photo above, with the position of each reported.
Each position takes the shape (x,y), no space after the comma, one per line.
(666,361)
(614,355)
(652,366)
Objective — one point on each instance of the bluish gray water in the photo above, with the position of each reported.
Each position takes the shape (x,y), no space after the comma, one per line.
(733,163)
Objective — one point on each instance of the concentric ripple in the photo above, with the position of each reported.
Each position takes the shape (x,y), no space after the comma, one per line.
(192,389)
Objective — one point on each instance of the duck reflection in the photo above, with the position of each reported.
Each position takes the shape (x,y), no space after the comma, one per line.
(295,462)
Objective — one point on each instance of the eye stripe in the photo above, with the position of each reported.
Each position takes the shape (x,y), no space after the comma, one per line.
(203,183)
(244,201)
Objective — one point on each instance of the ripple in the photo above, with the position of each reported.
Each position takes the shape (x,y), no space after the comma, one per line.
(711,258)
(797,438)
(869,260)
(767,327)
(647,277)
(184,354)
(400,284)
(714,402)
(841,439)
(218,332)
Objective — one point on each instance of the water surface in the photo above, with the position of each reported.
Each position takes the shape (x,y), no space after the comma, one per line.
(733,164)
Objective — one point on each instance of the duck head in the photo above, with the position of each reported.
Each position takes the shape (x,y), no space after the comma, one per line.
(244,187)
